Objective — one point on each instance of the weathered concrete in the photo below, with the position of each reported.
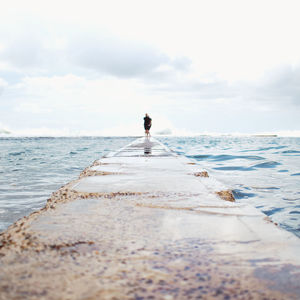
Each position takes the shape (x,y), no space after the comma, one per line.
(144,223)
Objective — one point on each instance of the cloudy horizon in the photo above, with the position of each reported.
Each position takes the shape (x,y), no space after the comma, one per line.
(96,67)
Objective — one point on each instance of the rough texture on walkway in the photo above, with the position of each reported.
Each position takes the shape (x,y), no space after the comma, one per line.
(145,223)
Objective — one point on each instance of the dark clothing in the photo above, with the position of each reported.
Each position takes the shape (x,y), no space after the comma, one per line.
(147,123)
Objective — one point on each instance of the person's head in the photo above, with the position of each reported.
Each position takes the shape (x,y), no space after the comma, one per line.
(146,115)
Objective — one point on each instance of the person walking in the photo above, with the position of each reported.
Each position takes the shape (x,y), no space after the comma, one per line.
(147,125)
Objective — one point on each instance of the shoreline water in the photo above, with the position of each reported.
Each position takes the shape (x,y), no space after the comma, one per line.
(261,171)
(191,135)
(166,132)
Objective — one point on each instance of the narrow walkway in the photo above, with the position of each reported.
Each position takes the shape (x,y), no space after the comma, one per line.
(145,223)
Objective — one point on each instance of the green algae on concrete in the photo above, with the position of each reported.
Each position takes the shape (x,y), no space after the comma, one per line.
(139,224)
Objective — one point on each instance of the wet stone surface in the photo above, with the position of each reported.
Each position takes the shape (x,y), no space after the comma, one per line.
(166,242)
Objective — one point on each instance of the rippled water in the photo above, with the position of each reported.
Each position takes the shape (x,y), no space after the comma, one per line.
(262,171)
(32,168)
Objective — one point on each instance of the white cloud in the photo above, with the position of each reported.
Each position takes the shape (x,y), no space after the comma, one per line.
(76,102)
(202,65)
(114,56)
(32,108)
(3,83)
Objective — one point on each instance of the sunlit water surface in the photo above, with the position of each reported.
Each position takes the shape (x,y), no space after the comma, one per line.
(262,171)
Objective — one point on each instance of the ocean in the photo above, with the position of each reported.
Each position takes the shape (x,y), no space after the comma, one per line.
(262,171)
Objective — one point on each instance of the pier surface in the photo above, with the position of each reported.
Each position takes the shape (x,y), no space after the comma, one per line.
(145,223)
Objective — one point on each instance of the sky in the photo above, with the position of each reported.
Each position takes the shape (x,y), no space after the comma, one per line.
(196,67)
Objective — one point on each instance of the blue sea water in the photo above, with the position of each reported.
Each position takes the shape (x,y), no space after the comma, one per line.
(262,171)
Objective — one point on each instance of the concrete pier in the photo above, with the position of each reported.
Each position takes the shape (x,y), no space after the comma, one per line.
(145,223)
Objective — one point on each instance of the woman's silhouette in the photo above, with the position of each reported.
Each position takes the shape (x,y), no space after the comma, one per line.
(147,124)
